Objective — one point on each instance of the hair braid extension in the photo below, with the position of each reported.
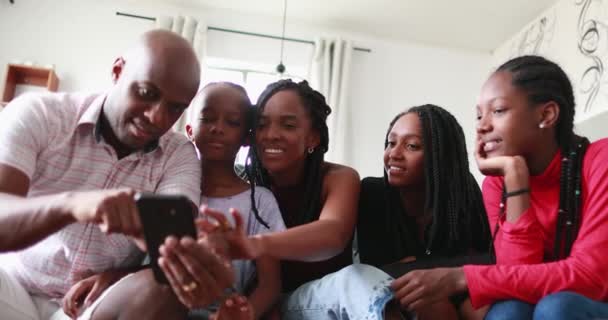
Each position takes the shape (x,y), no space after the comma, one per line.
(572,223)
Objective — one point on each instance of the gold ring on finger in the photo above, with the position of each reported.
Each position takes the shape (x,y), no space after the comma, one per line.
(190,286)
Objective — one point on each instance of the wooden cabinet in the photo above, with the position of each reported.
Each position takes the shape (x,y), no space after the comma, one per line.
(17,74)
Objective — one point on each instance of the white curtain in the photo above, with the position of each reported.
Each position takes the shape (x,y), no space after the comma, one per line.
(195,32)
(330,71)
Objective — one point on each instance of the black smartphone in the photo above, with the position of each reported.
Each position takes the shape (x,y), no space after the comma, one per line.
(162,216)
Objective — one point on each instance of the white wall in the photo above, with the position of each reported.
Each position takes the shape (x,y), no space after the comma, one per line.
(82,38)
(574,34)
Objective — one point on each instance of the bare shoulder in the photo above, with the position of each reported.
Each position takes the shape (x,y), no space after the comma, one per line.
(341,188)
(339,175)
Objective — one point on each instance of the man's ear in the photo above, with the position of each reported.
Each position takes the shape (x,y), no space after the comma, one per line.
(117,68)
(549,114)
(189,132)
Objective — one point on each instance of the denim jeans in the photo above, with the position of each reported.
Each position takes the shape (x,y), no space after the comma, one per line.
(356,292)
(561,305)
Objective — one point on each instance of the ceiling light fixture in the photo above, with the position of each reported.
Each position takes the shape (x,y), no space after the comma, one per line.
(281,67)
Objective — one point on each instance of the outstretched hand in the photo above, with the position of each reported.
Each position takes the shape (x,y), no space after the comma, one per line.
(230,242)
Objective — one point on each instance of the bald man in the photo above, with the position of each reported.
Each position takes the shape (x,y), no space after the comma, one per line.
(70,164)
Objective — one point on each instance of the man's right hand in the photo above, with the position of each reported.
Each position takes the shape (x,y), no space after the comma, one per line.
(114,210)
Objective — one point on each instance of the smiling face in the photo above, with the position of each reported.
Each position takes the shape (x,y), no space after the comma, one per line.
(284,133)
(404,153)
(153,85)
(507,124)
(221,125)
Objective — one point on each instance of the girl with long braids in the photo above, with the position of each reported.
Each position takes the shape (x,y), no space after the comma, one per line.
(427,208)
(318,199)
(546,200)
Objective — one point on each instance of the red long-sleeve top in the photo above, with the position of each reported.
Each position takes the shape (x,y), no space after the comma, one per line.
(522,247)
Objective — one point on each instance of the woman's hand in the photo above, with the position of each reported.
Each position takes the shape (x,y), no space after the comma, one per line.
(419,289)
(231,242)
(84,292)
(196,273)
(497,166)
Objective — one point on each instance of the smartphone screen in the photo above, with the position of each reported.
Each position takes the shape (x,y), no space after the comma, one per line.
(162,216)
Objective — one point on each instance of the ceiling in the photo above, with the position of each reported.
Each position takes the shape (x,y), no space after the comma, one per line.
(470,24)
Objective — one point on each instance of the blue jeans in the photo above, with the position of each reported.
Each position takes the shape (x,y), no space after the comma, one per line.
(561,305)
(356,292)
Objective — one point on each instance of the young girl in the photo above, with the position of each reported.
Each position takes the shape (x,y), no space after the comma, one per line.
(546,202)
(222,126)
(427,207)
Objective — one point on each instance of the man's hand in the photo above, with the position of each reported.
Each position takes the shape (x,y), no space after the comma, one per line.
(197,275)
(113,210)
(86,291)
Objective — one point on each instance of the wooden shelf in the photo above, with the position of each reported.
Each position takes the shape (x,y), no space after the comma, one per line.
(17,74)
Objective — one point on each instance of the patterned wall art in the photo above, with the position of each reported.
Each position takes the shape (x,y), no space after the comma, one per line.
(573,33)
(536,37)
(592,44)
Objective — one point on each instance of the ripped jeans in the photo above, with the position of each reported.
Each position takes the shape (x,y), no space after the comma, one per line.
(356,292)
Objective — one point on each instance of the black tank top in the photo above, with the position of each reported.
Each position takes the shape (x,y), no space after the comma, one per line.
(296,273)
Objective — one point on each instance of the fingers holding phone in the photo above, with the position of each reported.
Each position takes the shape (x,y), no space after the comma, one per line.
(197,275)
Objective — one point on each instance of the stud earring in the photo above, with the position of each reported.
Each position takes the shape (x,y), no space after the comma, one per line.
(311,150)
(542,125)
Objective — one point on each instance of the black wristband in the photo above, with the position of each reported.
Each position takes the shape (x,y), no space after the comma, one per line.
(515,193)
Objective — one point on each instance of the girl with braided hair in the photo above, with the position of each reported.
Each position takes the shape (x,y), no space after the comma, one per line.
(546,200)
(427,210)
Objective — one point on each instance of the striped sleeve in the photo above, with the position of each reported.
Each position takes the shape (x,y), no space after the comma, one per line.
(25,131)
(182,173)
